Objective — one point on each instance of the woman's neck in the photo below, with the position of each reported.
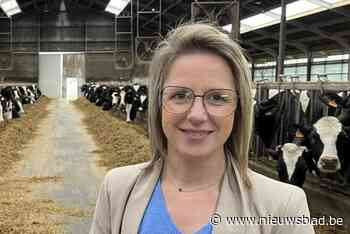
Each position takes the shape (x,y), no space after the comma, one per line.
(195,172)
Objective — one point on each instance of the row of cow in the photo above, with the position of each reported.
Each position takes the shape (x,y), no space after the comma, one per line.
(128,99)
(296,132)
(12,99)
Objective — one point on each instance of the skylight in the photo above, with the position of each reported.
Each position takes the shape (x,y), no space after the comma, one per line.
(257,20)
(10,7)
(294,10)
(116,6)
(331,1)
(300,7)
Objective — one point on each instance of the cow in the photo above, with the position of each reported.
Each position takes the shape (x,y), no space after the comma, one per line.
(12,107)
(2,107)
(328,139)
(275,117)
(276,123)
(100,92)
(132,102)
(91,95)
(18,99)
(25,99)
(143,93)
(108,98)
(116,97)
(291,163)
(30,94)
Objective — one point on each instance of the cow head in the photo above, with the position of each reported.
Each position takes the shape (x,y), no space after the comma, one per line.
(291,154)
(328,129)
(291,163)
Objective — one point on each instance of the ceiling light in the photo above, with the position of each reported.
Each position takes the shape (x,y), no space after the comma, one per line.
(10,7)
(116,6)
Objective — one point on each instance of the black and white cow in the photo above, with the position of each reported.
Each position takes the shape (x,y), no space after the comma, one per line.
(132,102)
(100,94)
(329,138)
(116,97)
(143,93)
(12,107)
(291,163)
(2,108)
(108,98)
(275,117)
(91,94)
(18,99)
(275,121)
(25,98)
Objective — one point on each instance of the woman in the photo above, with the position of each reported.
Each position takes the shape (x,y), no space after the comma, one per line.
(200,125)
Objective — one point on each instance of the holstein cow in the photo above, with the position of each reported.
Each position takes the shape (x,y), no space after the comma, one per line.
(25,99)
(328,139)
(2,107)
(99,92)
(274,121)
(291,163)
(11,104)
(143,93)
(132,101)
(108,98)
(91,96)
(18,99)
(116,97)
(275,117)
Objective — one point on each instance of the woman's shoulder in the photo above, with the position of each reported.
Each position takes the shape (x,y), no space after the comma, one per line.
(278,197)
(260,181)
(124,176)
(284,203)
(123,173)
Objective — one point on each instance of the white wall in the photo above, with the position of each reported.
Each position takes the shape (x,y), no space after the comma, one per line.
(50,74)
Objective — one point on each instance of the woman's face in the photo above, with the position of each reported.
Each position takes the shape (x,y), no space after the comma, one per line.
(196,133)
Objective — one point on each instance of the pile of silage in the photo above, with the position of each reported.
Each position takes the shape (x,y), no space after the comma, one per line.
(20,212)
(120,143)
(333,229)
(15,133)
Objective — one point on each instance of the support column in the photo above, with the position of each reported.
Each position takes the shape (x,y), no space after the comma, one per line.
(349,66)
(276,68)
(282,41)
(235,30)
(308,65)
(253,70)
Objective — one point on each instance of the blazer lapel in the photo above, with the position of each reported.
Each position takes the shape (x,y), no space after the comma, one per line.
(139,198)
(231,202)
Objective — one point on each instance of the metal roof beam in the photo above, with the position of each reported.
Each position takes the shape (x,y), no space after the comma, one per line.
(297,45)
(341,41)
(332,22)
(329,7)
(259,47)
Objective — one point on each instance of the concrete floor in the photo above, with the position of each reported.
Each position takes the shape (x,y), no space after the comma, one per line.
(64,148)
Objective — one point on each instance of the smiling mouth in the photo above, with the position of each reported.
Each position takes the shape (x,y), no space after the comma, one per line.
(198,134)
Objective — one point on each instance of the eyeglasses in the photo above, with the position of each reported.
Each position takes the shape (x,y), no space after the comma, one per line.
(218,102)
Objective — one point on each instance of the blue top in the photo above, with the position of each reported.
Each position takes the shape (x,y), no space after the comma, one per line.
(156,219)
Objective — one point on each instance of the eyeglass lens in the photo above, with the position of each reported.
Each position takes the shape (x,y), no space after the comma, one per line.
(219,102)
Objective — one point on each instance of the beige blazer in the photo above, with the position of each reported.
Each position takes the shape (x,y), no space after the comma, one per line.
(125,193)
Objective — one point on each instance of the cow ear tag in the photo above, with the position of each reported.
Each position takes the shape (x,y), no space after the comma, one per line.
(332,103)
(299,134)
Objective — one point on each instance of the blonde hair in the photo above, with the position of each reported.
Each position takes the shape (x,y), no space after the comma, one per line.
(192,38)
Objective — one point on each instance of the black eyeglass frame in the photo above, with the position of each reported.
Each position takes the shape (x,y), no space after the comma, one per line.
(194,98)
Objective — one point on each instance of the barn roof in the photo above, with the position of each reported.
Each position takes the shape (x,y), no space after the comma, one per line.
(322,33)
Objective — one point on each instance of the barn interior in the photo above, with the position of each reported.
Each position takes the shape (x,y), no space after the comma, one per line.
(60,46)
